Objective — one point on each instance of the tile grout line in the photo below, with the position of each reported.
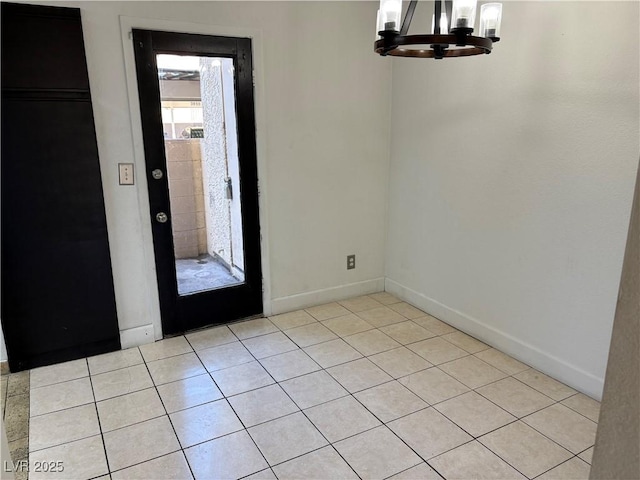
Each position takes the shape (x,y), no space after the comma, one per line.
(329,443)
(95,406)
(407,469)
(64,409)
(573,409)
(385,424)
(137,423)
(148,460)
(5,396)
(561,463)
(233,409)
(173,428)
(285,392)
(143,421)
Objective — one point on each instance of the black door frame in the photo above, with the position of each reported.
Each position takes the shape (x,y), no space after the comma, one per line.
(182,313)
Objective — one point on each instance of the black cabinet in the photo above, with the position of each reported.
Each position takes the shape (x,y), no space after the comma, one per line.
(58,299)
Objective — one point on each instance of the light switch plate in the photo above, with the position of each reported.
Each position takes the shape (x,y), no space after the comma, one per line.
(125,171)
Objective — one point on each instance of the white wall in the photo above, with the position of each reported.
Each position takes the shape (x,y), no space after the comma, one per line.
(323,116)
(511,182)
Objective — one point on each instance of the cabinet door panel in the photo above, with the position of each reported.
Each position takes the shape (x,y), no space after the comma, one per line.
(44,48)
(58,300)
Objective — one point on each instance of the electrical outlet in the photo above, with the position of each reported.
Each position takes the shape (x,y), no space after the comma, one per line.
(351,262)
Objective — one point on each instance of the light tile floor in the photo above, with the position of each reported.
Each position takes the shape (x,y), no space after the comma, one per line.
(370,387)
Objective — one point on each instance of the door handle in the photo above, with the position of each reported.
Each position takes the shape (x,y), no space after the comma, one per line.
(228,188)
(162,217)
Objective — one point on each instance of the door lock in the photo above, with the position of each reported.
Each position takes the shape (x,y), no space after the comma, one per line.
(157,174)
(162,217)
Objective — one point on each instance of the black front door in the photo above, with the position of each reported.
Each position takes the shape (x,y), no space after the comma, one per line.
(196,102)
(58,299)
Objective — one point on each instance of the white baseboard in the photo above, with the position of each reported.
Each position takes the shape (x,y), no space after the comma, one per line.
(134,337)
(518,348)
(318,297)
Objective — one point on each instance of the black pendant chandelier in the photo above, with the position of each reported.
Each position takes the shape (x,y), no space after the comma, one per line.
(451,35)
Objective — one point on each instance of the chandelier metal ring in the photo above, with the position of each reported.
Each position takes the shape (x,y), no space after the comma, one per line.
(473,46)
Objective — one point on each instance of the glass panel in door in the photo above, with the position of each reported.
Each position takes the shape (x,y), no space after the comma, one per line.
(200,138)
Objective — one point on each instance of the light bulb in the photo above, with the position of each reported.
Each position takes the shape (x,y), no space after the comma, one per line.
(490,19)
(390,11)
(463,14)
